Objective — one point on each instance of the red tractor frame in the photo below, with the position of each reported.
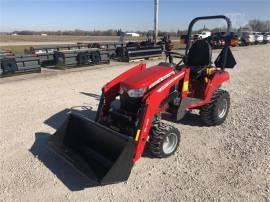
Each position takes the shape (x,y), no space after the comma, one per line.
(107,148)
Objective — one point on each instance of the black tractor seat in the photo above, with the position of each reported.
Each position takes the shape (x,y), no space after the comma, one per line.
(199,55)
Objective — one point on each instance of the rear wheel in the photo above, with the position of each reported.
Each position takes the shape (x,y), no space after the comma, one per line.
(217,110)
(164,140)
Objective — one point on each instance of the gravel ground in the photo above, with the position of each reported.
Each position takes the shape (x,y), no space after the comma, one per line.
(230,162)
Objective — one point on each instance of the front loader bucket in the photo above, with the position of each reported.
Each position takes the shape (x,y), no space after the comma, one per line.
(100,153)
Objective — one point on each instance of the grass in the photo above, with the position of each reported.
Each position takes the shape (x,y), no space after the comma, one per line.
(65,38)
(18,50)
(177,45)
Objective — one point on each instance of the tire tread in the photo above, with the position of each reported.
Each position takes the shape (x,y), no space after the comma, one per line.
(207,112)
(158,133)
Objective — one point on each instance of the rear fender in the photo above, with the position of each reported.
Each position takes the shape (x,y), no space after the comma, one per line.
(219,77)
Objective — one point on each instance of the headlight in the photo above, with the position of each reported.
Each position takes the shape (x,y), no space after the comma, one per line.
(136,92)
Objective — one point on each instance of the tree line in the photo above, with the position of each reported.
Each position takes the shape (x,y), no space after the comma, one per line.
(253,25)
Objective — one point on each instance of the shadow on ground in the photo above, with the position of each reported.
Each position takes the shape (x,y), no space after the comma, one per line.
(189,119)
(93,95)
(57,119)
(192,120)
(73,179)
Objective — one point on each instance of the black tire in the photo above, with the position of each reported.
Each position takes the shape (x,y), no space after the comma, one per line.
(159,136)
(211,113)
(96,57)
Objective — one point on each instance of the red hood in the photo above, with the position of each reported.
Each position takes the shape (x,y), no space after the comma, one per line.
(149,77)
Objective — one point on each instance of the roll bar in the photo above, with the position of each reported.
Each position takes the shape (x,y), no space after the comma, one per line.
(229,24)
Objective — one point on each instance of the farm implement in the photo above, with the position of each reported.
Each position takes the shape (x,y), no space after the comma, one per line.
(137,51)
(105,149)
(11,65)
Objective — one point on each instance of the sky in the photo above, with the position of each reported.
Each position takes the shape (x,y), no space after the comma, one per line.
(128,15)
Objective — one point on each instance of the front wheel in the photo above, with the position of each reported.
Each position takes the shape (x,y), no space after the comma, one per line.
(164,140)
(217,110)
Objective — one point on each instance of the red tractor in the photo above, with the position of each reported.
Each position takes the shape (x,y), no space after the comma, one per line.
(129,112)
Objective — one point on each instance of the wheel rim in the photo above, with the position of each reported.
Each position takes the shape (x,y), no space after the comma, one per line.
(222,109)
(169,143)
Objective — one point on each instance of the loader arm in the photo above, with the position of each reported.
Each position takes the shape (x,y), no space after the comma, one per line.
(114,84)
(152,106)
(111,89)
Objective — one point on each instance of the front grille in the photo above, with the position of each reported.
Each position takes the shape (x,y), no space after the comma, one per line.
(129,104)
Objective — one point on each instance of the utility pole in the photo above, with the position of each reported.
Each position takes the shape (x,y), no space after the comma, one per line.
(156,20)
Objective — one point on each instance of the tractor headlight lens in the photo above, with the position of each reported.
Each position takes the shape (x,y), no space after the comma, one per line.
(136,92)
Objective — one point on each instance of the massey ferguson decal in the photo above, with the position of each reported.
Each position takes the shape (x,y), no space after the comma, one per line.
(161,79)
(169,82)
